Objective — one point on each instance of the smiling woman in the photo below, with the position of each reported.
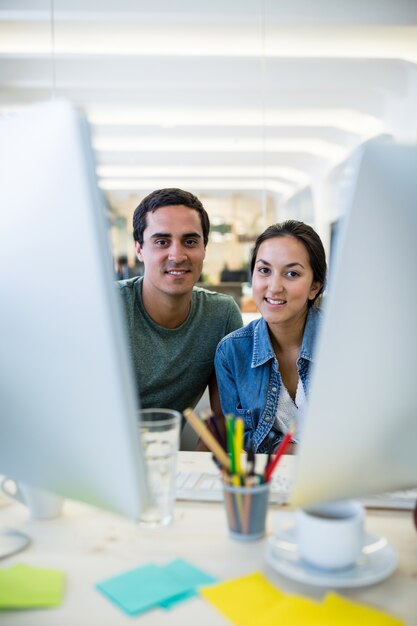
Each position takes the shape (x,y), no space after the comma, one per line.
(263,369)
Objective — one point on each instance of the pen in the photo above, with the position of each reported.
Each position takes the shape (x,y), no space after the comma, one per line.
(250,463)
(210,418)
(280,451)
(238,444)
(210,441)
(270,438)
(230,430)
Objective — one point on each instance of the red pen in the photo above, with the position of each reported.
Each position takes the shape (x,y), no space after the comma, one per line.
(287,439)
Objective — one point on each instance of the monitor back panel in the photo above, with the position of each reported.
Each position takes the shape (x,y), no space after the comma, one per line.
(67,405)
(360,430)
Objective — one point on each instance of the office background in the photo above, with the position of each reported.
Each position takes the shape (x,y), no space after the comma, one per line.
(257,106)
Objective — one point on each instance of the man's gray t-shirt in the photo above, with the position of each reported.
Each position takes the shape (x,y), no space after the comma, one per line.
(172,367)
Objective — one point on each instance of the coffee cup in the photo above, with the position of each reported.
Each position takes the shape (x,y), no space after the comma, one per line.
(41,504)
(328,536)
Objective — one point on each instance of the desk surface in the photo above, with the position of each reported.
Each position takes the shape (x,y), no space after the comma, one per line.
(90,545)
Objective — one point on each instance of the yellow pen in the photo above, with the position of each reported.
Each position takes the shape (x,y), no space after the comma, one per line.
(238,444)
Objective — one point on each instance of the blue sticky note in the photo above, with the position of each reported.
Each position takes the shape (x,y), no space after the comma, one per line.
(189,575)
(140,589)
(143,588)
(171,602)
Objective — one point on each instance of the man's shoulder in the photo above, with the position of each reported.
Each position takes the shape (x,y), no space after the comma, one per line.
(128,284)
(128,287)
(213,298)
(218,313)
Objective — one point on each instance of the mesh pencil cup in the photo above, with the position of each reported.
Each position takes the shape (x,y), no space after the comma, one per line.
(246,510)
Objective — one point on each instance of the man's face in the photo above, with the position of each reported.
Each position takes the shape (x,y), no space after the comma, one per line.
(172,251)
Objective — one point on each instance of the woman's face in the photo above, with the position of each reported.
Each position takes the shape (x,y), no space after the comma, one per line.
(282,281)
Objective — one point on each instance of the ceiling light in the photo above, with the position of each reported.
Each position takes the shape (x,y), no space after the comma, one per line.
(318,147)
(139,38)
(141,184)
(348,120)
(289,174)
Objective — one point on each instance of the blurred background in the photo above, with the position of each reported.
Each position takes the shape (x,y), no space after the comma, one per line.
(257,106)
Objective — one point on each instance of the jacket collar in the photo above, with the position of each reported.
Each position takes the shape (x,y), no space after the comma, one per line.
(262,348)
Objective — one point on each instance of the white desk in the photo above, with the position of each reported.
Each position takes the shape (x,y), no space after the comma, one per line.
(90,545)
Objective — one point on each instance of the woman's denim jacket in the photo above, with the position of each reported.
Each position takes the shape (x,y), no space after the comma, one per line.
(249,381)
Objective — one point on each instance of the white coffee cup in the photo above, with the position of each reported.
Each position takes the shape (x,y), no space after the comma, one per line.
(329,536)
(41,504)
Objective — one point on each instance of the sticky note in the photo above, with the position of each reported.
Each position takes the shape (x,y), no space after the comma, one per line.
(292,610)
(140,589)
(243,599)
(347,612)
(252,599)
(147,587)
(23,586)
(189,575)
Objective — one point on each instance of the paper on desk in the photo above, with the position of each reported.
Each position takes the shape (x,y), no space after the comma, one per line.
(253,600)
(294,610)
(349,612)
(189,575)
(243,599)
(152,585)
(23,586)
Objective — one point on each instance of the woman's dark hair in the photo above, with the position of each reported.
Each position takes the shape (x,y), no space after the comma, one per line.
(168,197)
(308,237)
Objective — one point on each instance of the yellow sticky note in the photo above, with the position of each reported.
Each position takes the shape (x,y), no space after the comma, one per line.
(243,599)
(22,586)
(346,612)
(293,611)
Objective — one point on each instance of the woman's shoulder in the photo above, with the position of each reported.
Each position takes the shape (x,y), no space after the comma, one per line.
(315,315)
(242,335)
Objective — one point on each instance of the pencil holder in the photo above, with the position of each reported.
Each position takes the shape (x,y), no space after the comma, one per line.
(246,510)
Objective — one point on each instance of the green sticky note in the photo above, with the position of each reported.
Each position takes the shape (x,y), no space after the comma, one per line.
(23,586)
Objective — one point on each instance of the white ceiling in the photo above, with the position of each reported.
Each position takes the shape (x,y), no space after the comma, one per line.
(222,98)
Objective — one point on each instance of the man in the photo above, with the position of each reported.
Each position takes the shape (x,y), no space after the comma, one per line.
(173,326)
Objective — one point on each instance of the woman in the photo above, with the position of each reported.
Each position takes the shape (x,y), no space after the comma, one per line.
(263,370)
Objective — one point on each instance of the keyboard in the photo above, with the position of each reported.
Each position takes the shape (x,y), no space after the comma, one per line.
(207,487)
(405,499)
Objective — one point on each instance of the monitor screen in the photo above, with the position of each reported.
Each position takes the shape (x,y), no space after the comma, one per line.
(67,399)
(360,432)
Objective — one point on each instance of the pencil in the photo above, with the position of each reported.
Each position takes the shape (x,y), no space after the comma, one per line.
(238,497)
(247,506)
(280,451)
(238,444)
(210,418)
(210,441)
(230,430)
(228,498)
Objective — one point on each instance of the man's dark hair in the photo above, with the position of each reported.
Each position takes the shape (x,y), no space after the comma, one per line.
(168,197)
(312,242)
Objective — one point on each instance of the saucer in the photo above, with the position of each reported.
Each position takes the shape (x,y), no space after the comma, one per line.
(377,560)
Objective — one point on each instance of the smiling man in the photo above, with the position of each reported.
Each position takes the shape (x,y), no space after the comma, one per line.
(173,326)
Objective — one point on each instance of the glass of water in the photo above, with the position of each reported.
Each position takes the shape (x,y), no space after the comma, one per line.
(160,434)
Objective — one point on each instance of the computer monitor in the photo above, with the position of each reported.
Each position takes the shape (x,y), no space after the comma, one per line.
(360,433)
(67,399)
